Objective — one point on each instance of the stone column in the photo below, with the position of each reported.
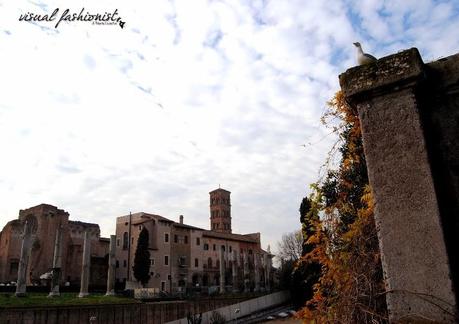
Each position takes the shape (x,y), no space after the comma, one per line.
(85,266)
(222,270)
(257,271)
(268,270)
(21,283)
(111,267)
(234,270)
(413,252)
(246,271)
(57,264)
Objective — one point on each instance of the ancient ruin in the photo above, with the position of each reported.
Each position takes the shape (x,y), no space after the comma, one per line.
(409,114)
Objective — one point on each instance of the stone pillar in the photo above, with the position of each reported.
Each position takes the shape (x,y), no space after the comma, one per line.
(111,267)
(85,266)
(222,270)
(269,267)
(246,271)
(257,271)
(413,252)
(21,283)
(57,264)
(234,270)
(267,270)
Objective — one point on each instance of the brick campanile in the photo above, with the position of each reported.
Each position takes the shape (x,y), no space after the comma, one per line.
(220,210)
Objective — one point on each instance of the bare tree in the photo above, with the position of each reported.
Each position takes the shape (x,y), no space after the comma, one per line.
(290,247)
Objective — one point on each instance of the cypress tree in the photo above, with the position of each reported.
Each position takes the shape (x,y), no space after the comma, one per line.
(142,258)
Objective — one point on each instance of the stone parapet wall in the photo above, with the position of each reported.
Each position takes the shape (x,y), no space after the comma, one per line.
(158,312)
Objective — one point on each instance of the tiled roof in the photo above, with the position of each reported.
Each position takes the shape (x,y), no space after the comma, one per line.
(229,236)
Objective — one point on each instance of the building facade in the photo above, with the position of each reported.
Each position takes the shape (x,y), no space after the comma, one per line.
(181,256)
(45,221)
(184,256)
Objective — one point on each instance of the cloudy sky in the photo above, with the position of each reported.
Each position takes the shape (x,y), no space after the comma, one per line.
(192,94)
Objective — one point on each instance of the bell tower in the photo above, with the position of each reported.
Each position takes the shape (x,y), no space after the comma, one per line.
(220,210)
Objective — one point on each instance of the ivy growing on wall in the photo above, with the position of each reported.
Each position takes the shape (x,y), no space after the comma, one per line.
(340,233)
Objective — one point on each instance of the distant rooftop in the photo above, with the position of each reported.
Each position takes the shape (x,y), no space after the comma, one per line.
(219,189)
(230,236)
(84,224)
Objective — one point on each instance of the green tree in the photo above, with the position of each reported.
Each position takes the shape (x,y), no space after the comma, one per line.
(142,258)
(306,272)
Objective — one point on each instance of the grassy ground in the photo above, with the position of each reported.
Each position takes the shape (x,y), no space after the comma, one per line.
(41,299)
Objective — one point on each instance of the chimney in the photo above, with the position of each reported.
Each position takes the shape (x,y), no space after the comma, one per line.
(181,219)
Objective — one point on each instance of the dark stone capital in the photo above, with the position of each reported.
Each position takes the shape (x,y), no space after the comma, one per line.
(389,73)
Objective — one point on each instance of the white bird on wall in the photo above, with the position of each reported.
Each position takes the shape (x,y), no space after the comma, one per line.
(363,58)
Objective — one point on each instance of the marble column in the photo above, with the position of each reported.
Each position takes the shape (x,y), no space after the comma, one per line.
(246,271)
(85,266)
(111,267)
(222,271)
(268,271)
(265,268)
(234,270)
(256,271)
(57,264)
(24,260)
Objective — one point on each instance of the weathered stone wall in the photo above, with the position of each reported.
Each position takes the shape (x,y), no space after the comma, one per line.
(409,116)
(160,312)
(440,114)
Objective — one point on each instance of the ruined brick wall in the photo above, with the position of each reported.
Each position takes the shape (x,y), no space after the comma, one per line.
(10,249)
(45,220)
(99,254)
(48,219)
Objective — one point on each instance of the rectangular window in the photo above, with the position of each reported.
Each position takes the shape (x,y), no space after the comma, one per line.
(206,246)
(163,286)
(182,261)
(117,265)
(166,260)
(186,239)
(166,237)
(140,227)
(125,241)
(196,263)
(198,241)
(230,249)
(14,267)
(118,242)
(214,247)
(152,262)
(175,238)
(124,263)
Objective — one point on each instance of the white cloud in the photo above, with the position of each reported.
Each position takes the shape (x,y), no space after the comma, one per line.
(101,121)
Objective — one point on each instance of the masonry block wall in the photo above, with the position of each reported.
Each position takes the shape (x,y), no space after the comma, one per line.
(409,112)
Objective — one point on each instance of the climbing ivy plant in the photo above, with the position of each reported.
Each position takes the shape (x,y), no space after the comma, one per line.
(343,239)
